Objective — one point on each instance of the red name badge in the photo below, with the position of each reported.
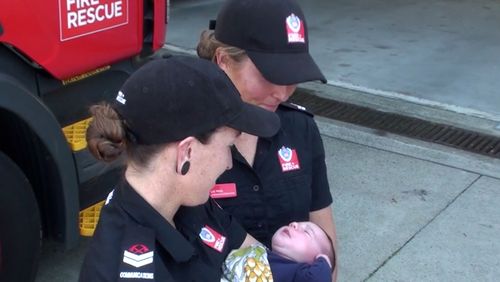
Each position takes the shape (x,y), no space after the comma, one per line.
(223,190)
(212,238)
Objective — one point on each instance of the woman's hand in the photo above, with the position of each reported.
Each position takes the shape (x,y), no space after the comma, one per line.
(249,240)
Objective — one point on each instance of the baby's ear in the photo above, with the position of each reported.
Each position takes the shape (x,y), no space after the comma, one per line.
(326,258)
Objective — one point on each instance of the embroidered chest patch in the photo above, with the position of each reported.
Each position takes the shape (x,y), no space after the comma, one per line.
(212,238)
(288,159)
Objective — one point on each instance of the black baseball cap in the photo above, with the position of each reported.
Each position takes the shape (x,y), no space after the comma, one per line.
(274,35)
(167,100)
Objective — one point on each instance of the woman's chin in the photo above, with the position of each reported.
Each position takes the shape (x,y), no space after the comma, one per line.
(270,108)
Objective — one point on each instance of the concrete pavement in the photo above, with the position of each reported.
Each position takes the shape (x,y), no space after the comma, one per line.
(459,244)
(403,215)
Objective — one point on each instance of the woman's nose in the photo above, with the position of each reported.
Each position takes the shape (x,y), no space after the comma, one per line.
(281,92)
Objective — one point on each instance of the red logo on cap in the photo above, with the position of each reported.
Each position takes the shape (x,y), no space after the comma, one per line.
(295,29)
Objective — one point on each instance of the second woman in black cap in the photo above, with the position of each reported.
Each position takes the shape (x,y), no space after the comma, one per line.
(263,46)
(173,121)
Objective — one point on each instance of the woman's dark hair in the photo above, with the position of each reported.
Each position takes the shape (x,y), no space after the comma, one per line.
(107,138)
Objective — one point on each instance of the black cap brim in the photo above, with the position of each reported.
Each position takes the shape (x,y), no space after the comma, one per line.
(286,68)
(256,121)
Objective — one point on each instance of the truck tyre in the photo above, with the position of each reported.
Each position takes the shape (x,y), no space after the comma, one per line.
(20,227)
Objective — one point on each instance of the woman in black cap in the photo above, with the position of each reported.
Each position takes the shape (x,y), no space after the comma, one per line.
(262,46)
(176,120)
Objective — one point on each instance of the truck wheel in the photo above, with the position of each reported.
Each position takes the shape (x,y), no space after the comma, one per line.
(20,227)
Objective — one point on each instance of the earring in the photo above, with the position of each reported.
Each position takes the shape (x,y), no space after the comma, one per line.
(185,168)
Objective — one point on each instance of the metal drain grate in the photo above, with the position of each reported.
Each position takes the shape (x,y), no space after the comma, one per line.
(402,125)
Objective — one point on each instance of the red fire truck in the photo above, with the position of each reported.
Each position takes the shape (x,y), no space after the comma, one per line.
(56,59)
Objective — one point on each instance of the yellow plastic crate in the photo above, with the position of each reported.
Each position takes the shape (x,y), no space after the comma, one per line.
(89,218)
(75,134)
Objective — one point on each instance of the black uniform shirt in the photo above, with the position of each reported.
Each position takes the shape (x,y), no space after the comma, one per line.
(133,242)
(287,181)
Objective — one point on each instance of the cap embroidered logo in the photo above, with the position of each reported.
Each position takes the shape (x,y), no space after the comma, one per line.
(294,29)
(121,98)
(138,255)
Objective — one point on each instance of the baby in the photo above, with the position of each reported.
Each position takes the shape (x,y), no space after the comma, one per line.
(301,251)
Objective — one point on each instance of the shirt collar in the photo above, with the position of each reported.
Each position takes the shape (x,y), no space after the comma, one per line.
(142,212)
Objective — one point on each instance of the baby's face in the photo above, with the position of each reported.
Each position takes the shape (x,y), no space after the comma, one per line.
(300,241)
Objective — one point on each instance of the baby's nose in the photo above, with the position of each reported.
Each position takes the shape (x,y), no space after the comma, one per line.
(294,225)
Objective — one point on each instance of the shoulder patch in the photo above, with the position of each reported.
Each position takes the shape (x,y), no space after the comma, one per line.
(138,247)
(292,106)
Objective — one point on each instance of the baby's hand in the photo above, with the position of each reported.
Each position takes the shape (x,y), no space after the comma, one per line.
(326,258)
